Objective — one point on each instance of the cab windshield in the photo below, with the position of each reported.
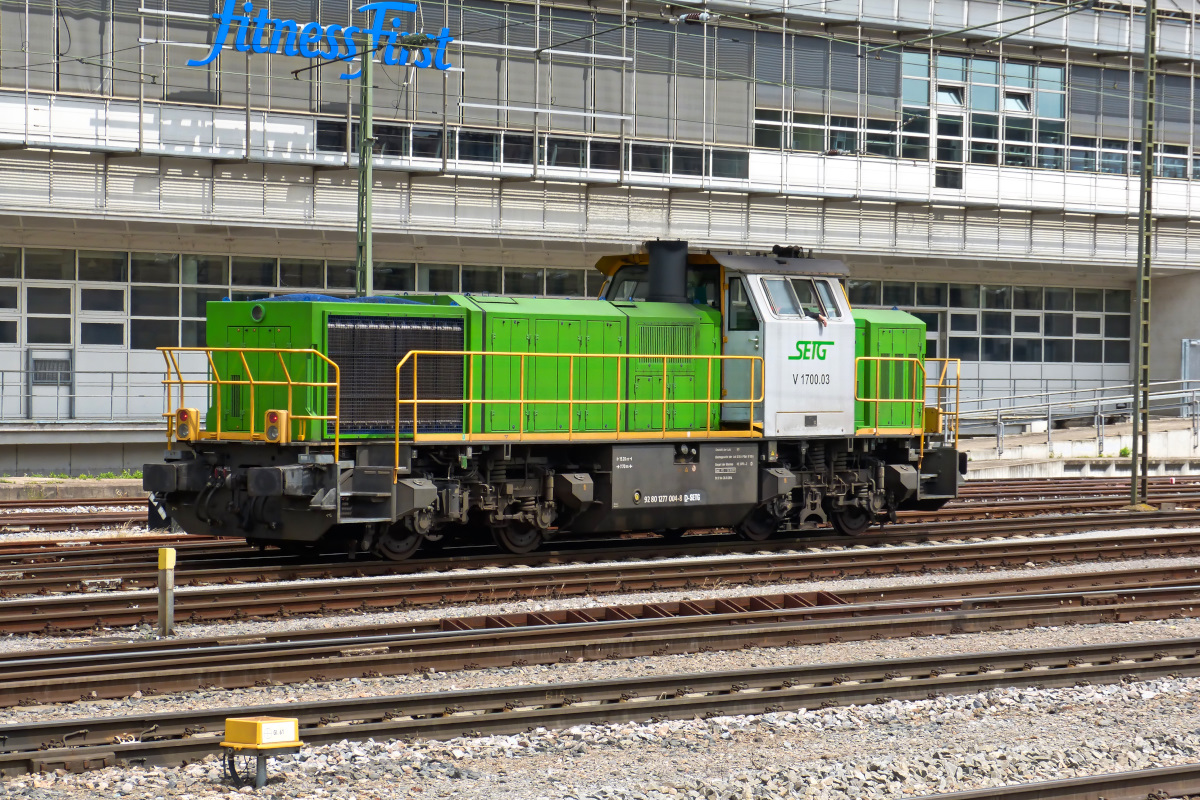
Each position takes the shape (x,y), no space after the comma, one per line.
(633,283)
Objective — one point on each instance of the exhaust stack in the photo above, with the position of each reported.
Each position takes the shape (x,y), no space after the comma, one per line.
(668,271)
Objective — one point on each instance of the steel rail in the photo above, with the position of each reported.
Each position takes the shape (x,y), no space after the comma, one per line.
(589,634)
(179,737)
(76,612)
(20,523)
(132,574)
(1161,782)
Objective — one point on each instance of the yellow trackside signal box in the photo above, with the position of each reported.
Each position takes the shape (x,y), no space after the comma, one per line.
(262,733)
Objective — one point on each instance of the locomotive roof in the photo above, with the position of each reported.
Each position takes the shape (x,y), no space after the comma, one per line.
(770,264)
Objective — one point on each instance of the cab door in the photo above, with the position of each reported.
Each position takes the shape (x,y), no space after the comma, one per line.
(742,333)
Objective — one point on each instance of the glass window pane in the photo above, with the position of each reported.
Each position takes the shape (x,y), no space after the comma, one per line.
(811,140)
(481,279)
(949,95)
(339,274)
(687,161)
(1026,350)
(985,98)
(915,64)
(154,301)
(195,301)
(1116,352)
(964,295)
(565,282)
(568,153)
(985,153)
(253,271)
(478,146)
(1059,325)
(101,300)
(607,155)
(781,297)
(1018,155)
(829,299)
(102,333)
(997,297)
(846,141)
(897,294)
(154,268)
(394,276)
(1059,300)
(1089,300)
(1027,298)
(916,120)
(916,91)
(437,278)
(767,136)
(45,300)
(733,164)
(1087,326)
(997,323)
(519,280)
(1017,101)
(1089,351)
(863,293)
(1058,350)
(49,265)
(8,331)
(1082,161)
(1051,104)
(8,297)
(931,319)
(914,147)
(965,323)
(213,270)
(1017,129)
(648,158)
(1117,325)
(193,334)
(1016,74)
(427,143)
(931,294)
(951,68)
(1117,300)
(100,265)
(996,349)
(950,150)
(1110,164)
(48,330)
(518,149)
(147,334)
(985,126)
(10,262)
(741,309)
(1049,158)
(1052,131)
(966,348)
(985,71)
(1050,77)
(301,273)
(1027,324)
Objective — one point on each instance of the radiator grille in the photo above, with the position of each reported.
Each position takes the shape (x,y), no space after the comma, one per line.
(368,348)
(664,340)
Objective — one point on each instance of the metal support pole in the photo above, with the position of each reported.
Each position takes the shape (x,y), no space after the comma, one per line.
(166,591)
(999,432)
(1139,452)
(1049,429)
(364,280)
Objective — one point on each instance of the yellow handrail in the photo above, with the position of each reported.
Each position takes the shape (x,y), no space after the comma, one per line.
(175,378)
(756,396)
(914,399)
(946,383)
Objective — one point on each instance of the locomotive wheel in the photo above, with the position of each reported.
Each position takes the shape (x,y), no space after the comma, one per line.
(398,543)
(758,527)
(518,540)
(851,521)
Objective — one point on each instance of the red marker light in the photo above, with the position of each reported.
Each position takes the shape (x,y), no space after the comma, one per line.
(183,415)
(272,417)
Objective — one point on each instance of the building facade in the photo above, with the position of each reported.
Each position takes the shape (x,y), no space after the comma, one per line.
(974,161)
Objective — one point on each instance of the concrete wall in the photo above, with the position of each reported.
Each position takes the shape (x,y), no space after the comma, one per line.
(76,458)
(1174,301)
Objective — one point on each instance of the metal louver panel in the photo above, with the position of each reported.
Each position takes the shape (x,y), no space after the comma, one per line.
(810,73)
(664,340)
(883,83)
(367,350)
(1084,99)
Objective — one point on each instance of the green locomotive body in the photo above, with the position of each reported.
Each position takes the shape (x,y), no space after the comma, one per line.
(701,391)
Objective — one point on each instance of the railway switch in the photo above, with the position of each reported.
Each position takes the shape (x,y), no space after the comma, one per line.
(258,738)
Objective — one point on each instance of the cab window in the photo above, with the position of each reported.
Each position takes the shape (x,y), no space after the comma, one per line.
(828,298)
(741,310)
(782,298)
(806,296)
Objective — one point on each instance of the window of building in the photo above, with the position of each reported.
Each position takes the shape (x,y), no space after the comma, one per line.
(148,334)
(394,276)
(211,270)
(518,149)
(478,146)
(569,153)
(730,164)
(605,155)
(97,265)
(687,161)
(648,158)
(102,333)
(481,280)
(1017,101)
(112,300)
(437,278)
(301,273)
(10,262)
(49,265)
(768,128)
(948,178)
(863,293)
(522,280)
(565,282)
(254,271)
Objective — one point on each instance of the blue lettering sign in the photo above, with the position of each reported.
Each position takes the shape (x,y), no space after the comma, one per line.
(257,32)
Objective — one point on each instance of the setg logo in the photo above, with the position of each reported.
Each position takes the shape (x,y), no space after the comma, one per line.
(810,351)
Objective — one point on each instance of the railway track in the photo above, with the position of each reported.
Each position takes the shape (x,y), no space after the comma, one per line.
(1161,783)
(548,637)
(179,737)
(373,592)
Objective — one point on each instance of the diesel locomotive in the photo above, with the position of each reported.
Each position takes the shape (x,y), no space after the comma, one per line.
(701,390)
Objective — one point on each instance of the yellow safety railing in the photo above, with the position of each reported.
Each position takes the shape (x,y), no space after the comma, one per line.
(175,378)
(755,397)
(915,398)
(945,387)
